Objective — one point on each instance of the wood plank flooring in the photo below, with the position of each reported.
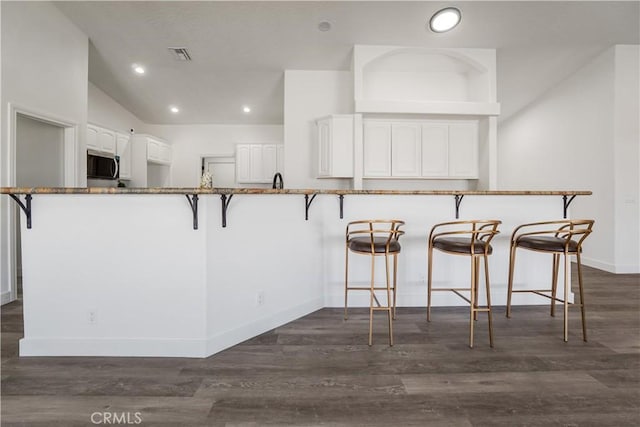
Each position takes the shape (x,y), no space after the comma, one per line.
(318,370)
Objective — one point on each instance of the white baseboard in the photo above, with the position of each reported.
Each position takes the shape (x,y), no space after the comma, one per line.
(5,298)
(226,339)
(611,268)
(112,347)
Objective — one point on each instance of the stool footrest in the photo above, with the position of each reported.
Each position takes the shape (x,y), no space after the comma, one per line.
(539,292)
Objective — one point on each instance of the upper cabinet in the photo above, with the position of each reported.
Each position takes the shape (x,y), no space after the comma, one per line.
(101,139)
(158,151)
(391,79)
(335,146)
(420,149)
(258,163)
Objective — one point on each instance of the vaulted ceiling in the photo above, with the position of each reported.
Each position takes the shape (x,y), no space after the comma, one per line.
(240,49)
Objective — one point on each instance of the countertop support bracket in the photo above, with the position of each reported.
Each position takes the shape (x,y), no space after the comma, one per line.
(225,205)
(307,203)
(458,198)
(566,204)
(341,196)
(26,207)
(193,201)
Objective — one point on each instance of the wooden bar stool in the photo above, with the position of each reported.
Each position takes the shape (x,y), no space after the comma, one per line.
(468,238)
(562,237)
(374,238)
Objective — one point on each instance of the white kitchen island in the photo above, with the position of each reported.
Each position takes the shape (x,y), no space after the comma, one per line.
(129,272)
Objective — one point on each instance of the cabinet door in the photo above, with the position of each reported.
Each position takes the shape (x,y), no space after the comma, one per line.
(256,171)
(405,149)
(269,161)
(123,150)
(243,163)
(435,150)
(92,137)
(377,149)
(107,141)
(165,153)
(463,150)
(280,158)
(153,150)
(324,148)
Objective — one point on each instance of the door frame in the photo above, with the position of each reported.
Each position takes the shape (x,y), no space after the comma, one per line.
(70,166)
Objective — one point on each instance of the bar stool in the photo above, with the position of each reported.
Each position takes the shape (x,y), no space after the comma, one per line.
(468,238)
(374,238)
(562,237)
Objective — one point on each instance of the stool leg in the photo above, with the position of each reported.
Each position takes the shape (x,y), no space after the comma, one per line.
(582,308)
(566,297)
(472,300)
(486,281)
(346,278)
(373,266)
(395,283)
(476,286)
(512,261)
(554,282)
(389,306)
(429,267)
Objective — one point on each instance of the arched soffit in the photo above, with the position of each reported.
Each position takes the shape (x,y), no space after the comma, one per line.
(424,60)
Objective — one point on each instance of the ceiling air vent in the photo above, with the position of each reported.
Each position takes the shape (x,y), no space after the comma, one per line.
(180,53)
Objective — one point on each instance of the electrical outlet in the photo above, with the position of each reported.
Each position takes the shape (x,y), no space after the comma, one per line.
(260,298)
(92,317)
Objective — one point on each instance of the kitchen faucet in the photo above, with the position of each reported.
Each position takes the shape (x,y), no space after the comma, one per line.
(276,184)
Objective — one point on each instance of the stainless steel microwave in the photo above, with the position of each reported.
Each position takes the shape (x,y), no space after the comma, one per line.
(102,165)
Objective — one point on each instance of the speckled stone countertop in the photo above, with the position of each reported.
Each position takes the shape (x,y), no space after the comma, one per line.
(101,190)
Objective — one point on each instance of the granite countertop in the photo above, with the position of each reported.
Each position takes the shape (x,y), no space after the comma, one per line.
(187,190)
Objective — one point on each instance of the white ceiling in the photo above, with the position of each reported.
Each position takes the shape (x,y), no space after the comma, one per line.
(241,49)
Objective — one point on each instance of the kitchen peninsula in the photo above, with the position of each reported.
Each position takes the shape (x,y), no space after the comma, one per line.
(150,272)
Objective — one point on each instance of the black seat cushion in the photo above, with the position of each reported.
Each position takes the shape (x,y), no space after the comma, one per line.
(363,244)
(546,243)
(460,245)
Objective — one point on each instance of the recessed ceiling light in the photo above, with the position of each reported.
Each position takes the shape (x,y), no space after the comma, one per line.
(139,69)
(246,109)
(174,109)
(324,26)
(445,20)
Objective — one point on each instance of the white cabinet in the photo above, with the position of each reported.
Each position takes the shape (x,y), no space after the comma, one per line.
(421,149)
(463,150)
(101,139)
(435,150)
(406,147)
(377,149)
(158,151)
(335,146)
(258,163)
(123,150)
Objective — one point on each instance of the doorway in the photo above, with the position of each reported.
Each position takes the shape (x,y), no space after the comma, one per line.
(39,163)
(42,153)
(223,170)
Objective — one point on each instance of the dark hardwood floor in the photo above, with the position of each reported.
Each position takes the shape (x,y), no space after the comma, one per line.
(318,370)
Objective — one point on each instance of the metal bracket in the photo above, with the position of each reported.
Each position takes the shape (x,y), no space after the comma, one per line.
(193,201)
(225,205)
(566,203)
(307,203)
(341,196)
(458,198)
(25,208)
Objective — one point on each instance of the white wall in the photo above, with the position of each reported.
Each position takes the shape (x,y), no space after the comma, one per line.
(309,95)
(44,70)
(627,158)
(190,142)
(567,140)
(106,112)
